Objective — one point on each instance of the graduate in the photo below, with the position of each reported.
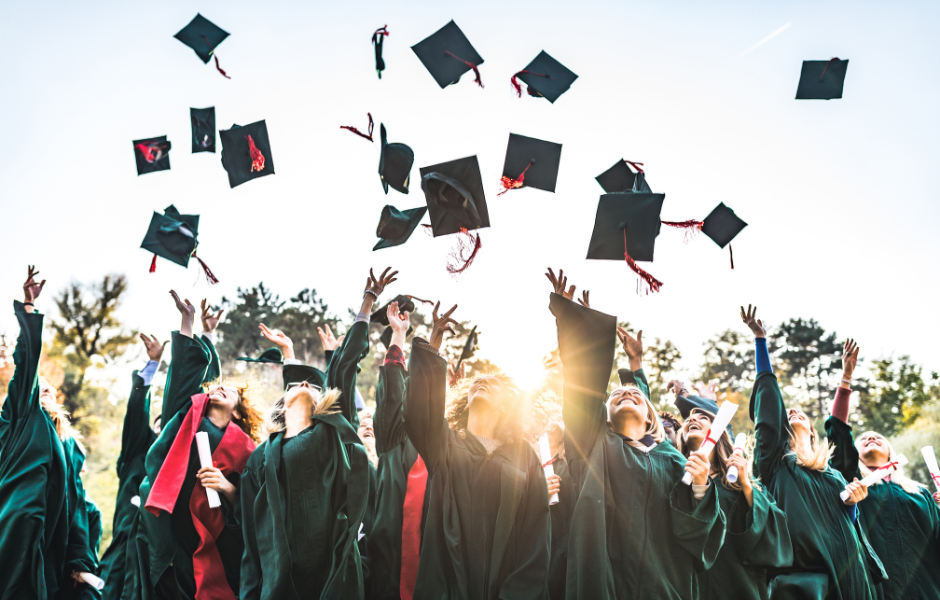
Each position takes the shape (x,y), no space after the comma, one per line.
(637,531)
(899,516)
(756,536)
(34,469)
(184,548)
(136,439)
(562,484)
(831,558)
(487,530)
(301,516)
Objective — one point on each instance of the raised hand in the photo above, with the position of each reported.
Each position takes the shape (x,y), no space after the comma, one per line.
(454,376)
(849,358)
(188,311)
(399,322)
(857,492)
(559,283)
(441,324)
(709,391)
(677,387)
(209,321)
(750,319)
(699,467)
(154,347)
(329,342)
(378,285)
(585,299)
(280,340)
(31,289)
(633,347)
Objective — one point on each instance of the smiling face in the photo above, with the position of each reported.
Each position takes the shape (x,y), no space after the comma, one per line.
(799,422)
(365,428)
(873,449)
(225,397)
(487,389)
(627,402)
(46,391)
(695,429)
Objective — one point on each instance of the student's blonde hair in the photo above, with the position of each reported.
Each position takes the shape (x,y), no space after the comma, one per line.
(654,427)
(320,404)
(907,484)
(57,414)
(817,459)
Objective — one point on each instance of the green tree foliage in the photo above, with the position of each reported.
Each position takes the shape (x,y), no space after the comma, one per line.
(895,396)
(729,358)
(238,331)
(810,361)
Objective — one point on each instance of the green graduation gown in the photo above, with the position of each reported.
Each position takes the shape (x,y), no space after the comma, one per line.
(86,592)
(636,531)
(903,528)
(831,559)
(301,516)
(34,515)
(136,439)
(487,531)
(81,553)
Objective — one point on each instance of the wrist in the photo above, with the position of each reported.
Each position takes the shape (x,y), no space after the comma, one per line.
(287,352)
(636,364)
(398,339)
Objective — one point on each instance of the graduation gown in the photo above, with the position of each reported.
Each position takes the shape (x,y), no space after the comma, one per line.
(636,531)
(561,522)
(301,517)
(81,552)
(85,591)
(903,528)
(136,439)
(831,558)
(34,512)
(487,531)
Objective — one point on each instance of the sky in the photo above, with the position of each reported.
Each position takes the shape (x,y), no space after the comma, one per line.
(841,206)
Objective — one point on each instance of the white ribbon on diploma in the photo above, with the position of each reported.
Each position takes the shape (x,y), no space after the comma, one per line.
(545,453)
(739,442)
(931,459)
(205,459)
(722,420)
(91,580)
(878,474)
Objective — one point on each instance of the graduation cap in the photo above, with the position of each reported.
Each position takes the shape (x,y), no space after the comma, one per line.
(468,348)
(530,163)
(688,404)
(300,373)
(722,225)
(545,77)
(625,228)
(152,154)
(395,164)
(447,54)
(454,194)
(203,121)
(271,355)
(405,304)
(621,178)
(174,236)
(203,36)
(822,79)
(377,40)
(396,226)
(246,152)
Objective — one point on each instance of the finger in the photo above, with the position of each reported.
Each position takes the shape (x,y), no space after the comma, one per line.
(571,291)
(203,305)
(175,297)
(219,314)
(450,312)
(551,277)
(392,274)
(188,303)
(385,272)
(639,337)
(164,344)
(434,312)
(371,278)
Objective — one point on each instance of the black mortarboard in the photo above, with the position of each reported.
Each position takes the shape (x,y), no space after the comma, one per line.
(686,404)
(395,162)
(271,355)
(631,216)
(172,236)
(300,373)
(545,77)
(202,35)
(621,178)
(152,154)
(454,193)
(203,122)
(396,226)
(531,163)
(822,79)
(377,40)
(246,152)
(405,304)
(468,347)
(722,225)
(447,54)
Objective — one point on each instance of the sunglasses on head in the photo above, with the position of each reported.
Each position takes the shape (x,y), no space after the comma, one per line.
(297,384)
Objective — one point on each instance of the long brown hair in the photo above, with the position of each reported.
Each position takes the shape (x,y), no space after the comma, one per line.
(57,414)
(720,455)
(511,427)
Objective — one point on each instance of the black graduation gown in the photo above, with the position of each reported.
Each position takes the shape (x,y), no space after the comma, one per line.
(561,522)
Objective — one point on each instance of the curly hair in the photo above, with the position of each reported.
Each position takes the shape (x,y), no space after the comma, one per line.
(251,418)
(511,425)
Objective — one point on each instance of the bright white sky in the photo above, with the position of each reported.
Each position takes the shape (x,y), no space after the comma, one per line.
(842,208)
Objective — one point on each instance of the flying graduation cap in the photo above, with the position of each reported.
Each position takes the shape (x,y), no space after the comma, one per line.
(447,54)
(625,228)
(468,348)
(822,79)
(530,163)
(152,155)
(621,178)
(203,122)
(377,41)
(380,316)
(545,77)
(395,162)
(396,226)
(203,36)
(271,356)
(456,203)
(175,237)
(722,225)
(246,152)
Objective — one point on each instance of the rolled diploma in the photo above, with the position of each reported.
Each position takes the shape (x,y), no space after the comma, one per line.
(931,459)
(136,501)
(205,459)
(91,580)
(545,451)
(739,442)
(722,419)
(878,474)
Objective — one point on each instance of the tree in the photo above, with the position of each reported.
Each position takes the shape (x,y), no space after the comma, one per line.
(299,320)
(729,358)
(238,331)
(896,396)
(659,360)
(809,359)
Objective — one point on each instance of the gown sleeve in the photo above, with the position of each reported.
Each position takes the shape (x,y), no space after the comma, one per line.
(845,457)
(189,364)
(388,419)
(79,555)
(637,378)
(699,529)
(425,397)
(214,370)
(344,369)
(136,435)
(771,426)
(251,580)
(22,391)
(759,533)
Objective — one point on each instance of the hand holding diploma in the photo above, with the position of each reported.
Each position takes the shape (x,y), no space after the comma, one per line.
(931,459)
(722,419)
(206,477)
(739,443)
(95,582)
(545,453)
(876,475)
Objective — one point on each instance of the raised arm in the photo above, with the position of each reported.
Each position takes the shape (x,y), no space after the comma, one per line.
(390,391)
(189,363)
(771,427)
(633,347)
(22,391)
(137,436)
(845,457)
(210,322)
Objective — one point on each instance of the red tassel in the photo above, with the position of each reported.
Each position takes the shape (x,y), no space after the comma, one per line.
(824,72)
(210,276)
(218,68)
(147,151)
(383,30)
(476,71)
(635,165)
(421,300)
(459,260)
(518,86)
(731,253)
(511,184)
(359,133)
(691,227)
(257,159)
(653,283)
(153,264)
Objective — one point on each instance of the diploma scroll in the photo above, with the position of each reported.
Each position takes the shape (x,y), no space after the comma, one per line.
(878,474)
(135,500)
(205,459)
(931,459)
(722,419)
(739,442)
(545,453)
(91,580)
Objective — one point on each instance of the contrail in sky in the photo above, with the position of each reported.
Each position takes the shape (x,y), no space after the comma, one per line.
(765,40)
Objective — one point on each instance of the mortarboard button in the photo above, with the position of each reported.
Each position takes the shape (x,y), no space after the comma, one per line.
(395,162)
(625,228)
(621,178)
(396,226)
(447,54)
(203,122)
(822,79)
(152,154)
(175,237)
(545,77)
(271,356)
(530,163)
(377,40)
(203,36)
(246,152)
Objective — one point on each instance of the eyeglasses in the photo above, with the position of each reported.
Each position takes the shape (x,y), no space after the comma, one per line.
(291,386)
